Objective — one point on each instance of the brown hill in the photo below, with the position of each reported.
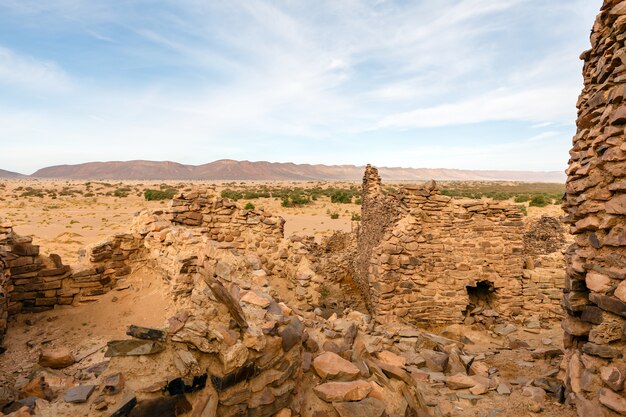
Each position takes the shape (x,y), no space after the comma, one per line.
(227,169)
(10,174)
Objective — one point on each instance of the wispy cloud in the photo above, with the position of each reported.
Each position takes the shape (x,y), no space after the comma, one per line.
(26,72)
(262,79)
(537,105)
(543,135)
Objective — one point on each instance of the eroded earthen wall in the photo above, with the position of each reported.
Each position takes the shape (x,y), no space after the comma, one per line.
(595,293)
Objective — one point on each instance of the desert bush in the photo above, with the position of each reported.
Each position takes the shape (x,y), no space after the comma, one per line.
(252,195)
(165,194)
(324,291)
(231,194)
(540,200)
(334,215)
(121,192)
(522,198)
(32,192)
(523,209)
(340,196)
(249,206)
(356,217)
(295,200)
(501,196)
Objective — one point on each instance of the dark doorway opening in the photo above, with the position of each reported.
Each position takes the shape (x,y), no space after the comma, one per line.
(481,297)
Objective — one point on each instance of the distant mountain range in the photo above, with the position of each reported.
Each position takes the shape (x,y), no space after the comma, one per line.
(226,169)
(9,174)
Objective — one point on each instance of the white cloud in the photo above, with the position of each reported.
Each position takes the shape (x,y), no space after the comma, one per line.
(219,74)
(28,73)
(536,105)
(543,136)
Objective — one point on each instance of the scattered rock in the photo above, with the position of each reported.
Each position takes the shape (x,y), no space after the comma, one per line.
(503,389)
(613,401)
(56,358)
(125,406)
(79,394)
(368,407)
(133,347)
(343,391)
(613,377)
(146,333)
(435,361)
(329,365)
(113,383)
(460,381)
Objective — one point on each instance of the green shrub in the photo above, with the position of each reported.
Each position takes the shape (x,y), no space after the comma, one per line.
(153,195)
(358,201)
(501,196)
(522,198)
(523,209)
(294,200)
(540,200)
(31,192)
(334,215)
(121,192)
(340,197)
(324,291)
(233,195)
(356,217)
(249,206)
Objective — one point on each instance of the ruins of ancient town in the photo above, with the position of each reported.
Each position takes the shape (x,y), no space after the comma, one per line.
(421,304)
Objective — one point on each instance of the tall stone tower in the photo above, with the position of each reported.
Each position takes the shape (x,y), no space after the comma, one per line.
(594,366)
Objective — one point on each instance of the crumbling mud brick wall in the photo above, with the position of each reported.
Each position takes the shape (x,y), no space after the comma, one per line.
(595,293)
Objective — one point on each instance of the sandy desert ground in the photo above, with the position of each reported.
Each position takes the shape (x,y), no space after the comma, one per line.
(64,216)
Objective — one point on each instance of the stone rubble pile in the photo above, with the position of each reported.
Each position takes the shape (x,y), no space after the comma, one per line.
(595,288)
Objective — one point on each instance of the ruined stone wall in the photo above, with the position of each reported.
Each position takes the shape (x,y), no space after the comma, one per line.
(421,269)
(543,278)
(378,213)
(37,283)
(5,229)
(595,293)
(222,220)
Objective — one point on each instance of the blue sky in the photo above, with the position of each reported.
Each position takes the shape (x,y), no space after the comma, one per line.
(471,84)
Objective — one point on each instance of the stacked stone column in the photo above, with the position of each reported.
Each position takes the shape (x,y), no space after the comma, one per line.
(595,287)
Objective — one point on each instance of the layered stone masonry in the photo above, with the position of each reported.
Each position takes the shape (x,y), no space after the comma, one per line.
(543,278)
(595,289)
(424,258)
(37,283)
(222,220)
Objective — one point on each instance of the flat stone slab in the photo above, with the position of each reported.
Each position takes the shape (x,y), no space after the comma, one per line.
(79,394)
(133,347)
